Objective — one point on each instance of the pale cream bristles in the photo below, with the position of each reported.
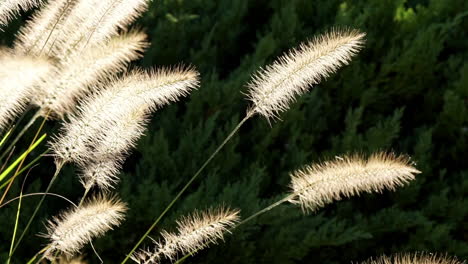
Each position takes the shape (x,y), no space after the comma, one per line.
(10,8)
(91,23)
(194,233)
(101,112)
(111,148)
(34,36)
(71,230)
(275,87)
(320,184)
(17,76)
(414,258)
(74,77)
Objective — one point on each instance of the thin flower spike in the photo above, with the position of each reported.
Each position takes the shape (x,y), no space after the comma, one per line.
(100,112)
(275,87)
(194,233)
(71,230)
(320,184)
(10,8)
(111,150)
(17,75)
(73,78)
(414,258)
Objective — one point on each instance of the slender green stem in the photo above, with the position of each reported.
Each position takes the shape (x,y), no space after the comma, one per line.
(37,254)
(84,196)
(16,227)
(266,209)
(57,171)
(5,137)
(13,127)
(248,115)
(30,164)
(21,133)
(21,158)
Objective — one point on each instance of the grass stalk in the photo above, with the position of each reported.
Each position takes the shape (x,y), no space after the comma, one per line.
(30,164)
(57,171)
(226,140)
(21,133)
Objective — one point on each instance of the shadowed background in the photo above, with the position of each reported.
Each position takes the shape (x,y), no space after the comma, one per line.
(407,92)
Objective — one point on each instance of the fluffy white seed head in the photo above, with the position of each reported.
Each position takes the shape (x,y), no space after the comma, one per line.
(414,258)
(194,233)
(17,75)
(321,184)
(35,36)
(73,229)
(88,23)
(59,91)
(111,149)
(275,87)
(11,8)
(100,112)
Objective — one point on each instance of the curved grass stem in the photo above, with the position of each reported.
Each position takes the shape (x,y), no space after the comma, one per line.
(57,171)
(226,140)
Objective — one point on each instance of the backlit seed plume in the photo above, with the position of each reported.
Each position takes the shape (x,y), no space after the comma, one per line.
(275,87)
(91,23)
(72,230)
(320,184)
(10,8)
(194,233)
(100,112)
(36,34)
(71,79)
(17,75)
(414,258)
(111,149)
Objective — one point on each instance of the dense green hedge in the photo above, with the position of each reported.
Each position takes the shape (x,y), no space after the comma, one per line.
(406,92)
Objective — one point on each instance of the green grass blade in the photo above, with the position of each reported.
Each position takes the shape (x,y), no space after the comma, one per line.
(20,158)
(5,137)
(30,164)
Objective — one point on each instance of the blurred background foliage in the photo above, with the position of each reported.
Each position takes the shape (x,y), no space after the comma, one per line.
(406,92)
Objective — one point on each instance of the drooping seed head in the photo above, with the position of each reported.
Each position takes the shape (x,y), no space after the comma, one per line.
(18,74)
(111,149)
(99,113)
(275,87)
(11,8)
(75,76)
(414,258)
(194,233)
(320,184)
(73,229)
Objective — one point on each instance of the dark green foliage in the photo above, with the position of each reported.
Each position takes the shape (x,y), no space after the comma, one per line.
(406,92)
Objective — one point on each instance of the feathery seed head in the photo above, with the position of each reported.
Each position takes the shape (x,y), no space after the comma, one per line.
(194,232)
(414,258)
(10,8)
(320,184)
(71,230)
(275,87)
(89,23)
(101,112)
(111,149)
(18,74)
(74,77)
(36,35)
